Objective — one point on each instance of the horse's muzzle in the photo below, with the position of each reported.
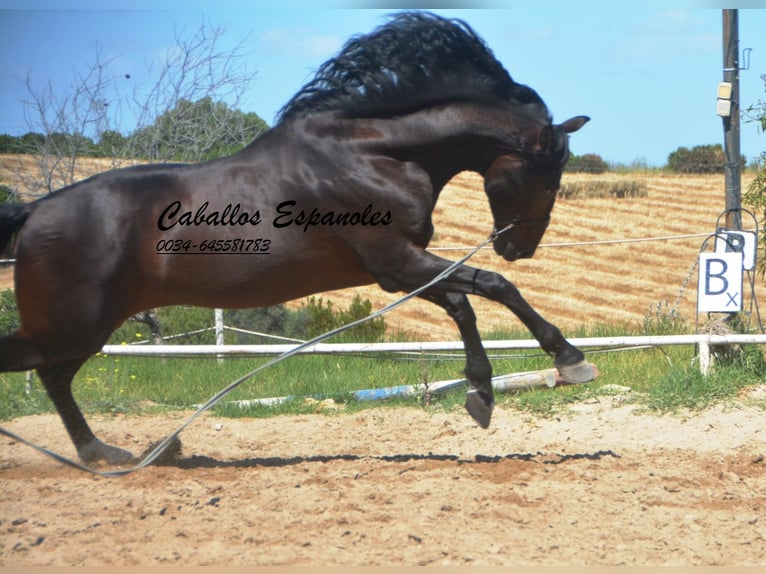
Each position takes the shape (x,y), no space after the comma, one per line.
(512,245)
(510,251)
(520,239)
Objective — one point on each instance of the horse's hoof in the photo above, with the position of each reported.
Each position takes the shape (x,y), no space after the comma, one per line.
(479,407)
(96,451)
(168,455)
(582,372)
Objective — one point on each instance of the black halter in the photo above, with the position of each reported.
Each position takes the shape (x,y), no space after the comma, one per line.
(516,222)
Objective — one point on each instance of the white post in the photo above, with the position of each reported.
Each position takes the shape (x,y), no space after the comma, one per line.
(704,357)
(219,331)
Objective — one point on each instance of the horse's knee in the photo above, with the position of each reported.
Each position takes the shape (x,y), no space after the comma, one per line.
(459,309)
(495,287)
(478,368)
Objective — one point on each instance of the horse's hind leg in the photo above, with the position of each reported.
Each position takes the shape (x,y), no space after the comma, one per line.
(18,354)
(57,380)
(478,370)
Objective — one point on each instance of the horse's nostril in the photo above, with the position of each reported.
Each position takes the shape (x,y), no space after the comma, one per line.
(525,253)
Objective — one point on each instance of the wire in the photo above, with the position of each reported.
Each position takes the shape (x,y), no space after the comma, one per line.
(583,243)
(157,450)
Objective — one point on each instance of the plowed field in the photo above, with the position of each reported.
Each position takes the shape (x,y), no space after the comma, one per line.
(571,281)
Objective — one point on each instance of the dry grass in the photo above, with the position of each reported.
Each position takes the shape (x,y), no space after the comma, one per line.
(17,170)
(571,284)
(592,188)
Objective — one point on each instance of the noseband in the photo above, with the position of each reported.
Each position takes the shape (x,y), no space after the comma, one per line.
(516,222)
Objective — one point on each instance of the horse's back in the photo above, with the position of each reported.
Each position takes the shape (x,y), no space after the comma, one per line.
(200,234)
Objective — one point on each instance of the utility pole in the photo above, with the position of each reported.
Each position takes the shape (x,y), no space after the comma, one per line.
(733,167)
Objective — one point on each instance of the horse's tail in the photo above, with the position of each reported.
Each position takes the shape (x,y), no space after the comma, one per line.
(12,218)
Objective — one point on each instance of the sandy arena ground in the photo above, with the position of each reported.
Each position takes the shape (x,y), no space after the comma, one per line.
(601,485)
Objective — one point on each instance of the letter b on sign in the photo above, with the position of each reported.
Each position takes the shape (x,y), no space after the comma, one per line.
(720,283)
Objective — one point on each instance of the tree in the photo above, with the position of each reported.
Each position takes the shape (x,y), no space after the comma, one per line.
(110,144)
(588,163)
(179,114)
(194,131)
(699,159)
(195,70)
(10,144)
(755,196)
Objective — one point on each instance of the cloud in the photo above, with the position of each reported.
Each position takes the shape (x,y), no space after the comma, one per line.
(669,34)
(322,46)
(296,42)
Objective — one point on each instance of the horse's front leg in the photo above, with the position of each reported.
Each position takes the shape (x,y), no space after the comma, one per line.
(414,268)
(568,359)
(420,266)
(480,400)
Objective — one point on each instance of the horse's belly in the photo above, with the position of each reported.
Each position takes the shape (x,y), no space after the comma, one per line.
(236,281)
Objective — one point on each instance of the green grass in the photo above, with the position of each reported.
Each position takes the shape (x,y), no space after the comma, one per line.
(661,380)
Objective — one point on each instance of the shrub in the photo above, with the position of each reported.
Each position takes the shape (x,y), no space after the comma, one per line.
(755,197)
(274,320)
(7,194)
(315,317)
(600,188)
(588,163)
(699,159)
(324,318)
(172,321)
(9,314)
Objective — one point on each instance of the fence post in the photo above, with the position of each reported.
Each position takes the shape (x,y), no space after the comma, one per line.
(704,348)
(219,331)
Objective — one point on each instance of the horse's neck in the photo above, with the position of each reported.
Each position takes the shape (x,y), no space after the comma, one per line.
(444,140)
(459,137)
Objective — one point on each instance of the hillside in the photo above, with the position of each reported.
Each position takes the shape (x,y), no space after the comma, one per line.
(569,281)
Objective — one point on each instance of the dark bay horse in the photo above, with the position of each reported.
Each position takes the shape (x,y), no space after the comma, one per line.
(338,194)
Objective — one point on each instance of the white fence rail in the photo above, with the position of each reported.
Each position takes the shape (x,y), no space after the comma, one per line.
(703,341)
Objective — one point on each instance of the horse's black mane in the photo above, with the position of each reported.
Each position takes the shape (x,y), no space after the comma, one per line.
(418,59)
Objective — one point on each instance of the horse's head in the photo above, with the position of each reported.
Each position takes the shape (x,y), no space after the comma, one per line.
(522,189)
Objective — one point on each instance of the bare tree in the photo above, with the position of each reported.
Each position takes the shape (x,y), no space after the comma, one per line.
(66,124)
(194,70)
(187,111)
(61,124)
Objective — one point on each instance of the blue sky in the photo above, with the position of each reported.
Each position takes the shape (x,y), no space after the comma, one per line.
(646,72)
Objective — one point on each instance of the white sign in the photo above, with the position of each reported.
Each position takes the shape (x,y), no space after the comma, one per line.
(720,283)
(738,241)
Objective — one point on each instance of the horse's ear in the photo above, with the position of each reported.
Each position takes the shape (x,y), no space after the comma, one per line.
(547,138)
(574,124)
